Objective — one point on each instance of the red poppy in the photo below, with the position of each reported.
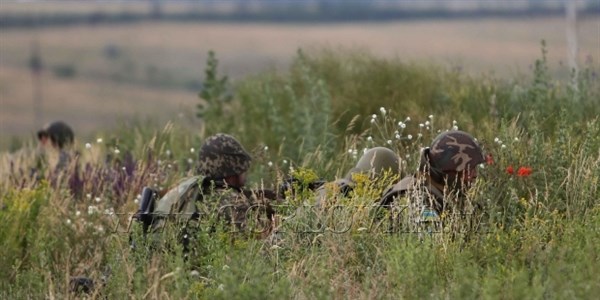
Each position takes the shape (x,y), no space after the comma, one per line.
(489,159)
(510,170)
(524,171)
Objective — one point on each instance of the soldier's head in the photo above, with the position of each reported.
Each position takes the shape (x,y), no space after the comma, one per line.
(375,162)
(452,159)
(57,134)
(222,157)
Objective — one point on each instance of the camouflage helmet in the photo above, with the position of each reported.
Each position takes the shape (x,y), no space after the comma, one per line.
(375,161)
(221,156)
(454,151)
(59,133)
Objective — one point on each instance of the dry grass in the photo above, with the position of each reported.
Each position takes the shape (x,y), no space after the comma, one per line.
(179,49)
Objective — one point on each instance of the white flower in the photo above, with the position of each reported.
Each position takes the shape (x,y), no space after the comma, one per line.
(99,140)
(123,168)
(136,201)
(68,221)
(92,209)
(266,148)
(88,146)
(77,213)
(401,124)
(516,139)
(374,116)
(453,122)
(496,140)
(192,150)
(409,137)
(426,123)
(389,142)
(168,152)
(285,161)
(419,135)
(350,151)
(370,138)
(397,136)
(407,119)
(190,161)
(481,166)
(89,196)
(365,150)
(100,228)
(382,110)
(270,164)
(421,125)
(503,146)
(407,156)
(159,162)
(355,152)
(430,117)
(221,287)
(117,151)
(97,199)
(169,166)
(372,121)
(454,127)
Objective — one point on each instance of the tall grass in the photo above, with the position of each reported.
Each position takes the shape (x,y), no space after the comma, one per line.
(537,235)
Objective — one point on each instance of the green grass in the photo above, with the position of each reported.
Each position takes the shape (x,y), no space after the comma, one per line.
(538,236)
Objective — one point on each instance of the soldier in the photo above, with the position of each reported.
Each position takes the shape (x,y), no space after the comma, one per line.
(58,136)
(447,170)
(374,163)
(216,190)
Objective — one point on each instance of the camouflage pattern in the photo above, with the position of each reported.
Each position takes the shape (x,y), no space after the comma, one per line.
(221,156)
(61,135)
(455,151)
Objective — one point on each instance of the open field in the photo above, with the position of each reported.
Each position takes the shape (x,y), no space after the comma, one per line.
(155,69)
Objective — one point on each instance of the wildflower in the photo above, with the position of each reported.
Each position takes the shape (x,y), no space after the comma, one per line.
(77,213)
(92,209)
(430,117)
(524,171)
(419,135)
(374,116)
(100,228)
(192,150)
(510,170)
(355,152)
(285,161)
(503,146)
(88,146)
(117,151)
(169,166)
(370,138)
(421,125)
(270,164)
(454,122)
(454,127)
(407,119)
(389,142)
(168,152)
(407,156)
(190,161)
(89,196)
(266,148)
(397,136)
(350,151)
(382,110)
(372,121)
(68,221)
(409,137)
(516,139)
(99,141)
(97,199)
(427,123)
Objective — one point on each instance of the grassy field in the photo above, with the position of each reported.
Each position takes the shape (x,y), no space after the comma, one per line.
(536,235)
(96,74)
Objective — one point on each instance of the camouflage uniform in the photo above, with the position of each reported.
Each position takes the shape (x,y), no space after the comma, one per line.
(419,201)
(208,193)
(374,163)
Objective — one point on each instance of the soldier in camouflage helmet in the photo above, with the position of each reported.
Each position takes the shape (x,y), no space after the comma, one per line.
(57,136)
(447,170)
(216,189)
(375,163)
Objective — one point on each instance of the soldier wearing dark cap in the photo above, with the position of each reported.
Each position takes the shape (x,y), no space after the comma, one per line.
(57,136)
(447,170)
